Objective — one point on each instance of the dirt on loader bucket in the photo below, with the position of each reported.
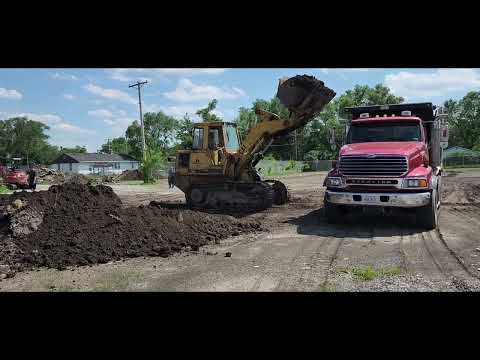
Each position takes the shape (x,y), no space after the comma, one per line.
(304,95)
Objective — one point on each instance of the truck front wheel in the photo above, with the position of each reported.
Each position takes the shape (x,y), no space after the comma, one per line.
(332,212)
(427,216)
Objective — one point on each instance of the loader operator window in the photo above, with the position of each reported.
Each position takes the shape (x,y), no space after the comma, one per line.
(213,138)
(198,139)
(392,131)
(232,139)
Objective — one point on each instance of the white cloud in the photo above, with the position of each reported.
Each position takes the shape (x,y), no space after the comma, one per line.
(10,94)
(110,93)
(69,128)
(147,74)
(437,83)
(187,91)
(117,120)
(101,113)
(63,76)
(68,96)
(179,111)
(47,119)
(55,122)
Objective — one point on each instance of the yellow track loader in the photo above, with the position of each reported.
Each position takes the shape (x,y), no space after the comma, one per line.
(219,171)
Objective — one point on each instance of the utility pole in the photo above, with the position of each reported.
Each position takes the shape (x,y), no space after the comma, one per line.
(139,85)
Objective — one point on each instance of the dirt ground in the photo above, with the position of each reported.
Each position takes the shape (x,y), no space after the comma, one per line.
(301,252)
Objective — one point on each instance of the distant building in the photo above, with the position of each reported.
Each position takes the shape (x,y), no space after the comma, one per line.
(93,163)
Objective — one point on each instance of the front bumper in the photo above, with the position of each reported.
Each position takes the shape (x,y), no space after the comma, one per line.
(378,199)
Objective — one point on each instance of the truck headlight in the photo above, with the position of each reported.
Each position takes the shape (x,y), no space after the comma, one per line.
(415,183)
(334,181)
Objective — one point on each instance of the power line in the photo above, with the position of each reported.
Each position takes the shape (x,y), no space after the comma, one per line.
(139,85)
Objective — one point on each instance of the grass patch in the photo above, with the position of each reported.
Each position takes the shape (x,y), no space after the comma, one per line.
(4,190)
(367,273)
(327,288)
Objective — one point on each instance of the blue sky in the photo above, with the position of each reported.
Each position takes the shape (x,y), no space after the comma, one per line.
(88,106)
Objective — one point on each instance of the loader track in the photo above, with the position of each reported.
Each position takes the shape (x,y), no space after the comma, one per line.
(233,197)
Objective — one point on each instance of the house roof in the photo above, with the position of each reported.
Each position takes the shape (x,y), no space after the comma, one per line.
(92,157)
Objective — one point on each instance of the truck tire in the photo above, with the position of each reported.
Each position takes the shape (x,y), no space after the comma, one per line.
(427,216)
(332,212)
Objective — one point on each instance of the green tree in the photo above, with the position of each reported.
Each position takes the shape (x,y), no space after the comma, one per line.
(364,95)
(160,130)
(463,117)
(24,138)
(115,146)
(154,158)
(206,113)
(73,150)
(185,133)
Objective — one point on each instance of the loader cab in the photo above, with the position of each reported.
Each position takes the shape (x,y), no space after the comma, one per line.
(215,135)
(211,141)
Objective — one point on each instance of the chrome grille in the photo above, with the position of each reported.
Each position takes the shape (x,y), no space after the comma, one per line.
(378,166)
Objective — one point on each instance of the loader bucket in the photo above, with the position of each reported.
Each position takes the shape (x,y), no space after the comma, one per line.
(304,95)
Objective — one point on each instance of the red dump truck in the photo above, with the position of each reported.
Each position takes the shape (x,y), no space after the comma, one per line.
(391,160)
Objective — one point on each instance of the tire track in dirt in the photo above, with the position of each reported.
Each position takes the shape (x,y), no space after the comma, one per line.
(290,277)
(417,255)
(310,265)
(406,265)
(332,261)
(430,252)
(460,237)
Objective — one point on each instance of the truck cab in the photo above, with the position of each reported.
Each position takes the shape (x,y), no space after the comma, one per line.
(391,158)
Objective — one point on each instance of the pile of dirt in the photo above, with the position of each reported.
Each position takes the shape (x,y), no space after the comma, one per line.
(77,224)
(46,175)
(126,175)
(131,175)
(461,193)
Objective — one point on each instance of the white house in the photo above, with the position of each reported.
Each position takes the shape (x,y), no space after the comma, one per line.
(93,163)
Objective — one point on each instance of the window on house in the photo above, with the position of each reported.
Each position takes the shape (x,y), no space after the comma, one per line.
(133,166)
(58,167)
(90,169)
(117,165)
(70,166)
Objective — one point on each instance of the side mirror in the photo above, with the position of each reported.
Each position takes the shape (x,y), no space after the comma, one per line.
(334,164)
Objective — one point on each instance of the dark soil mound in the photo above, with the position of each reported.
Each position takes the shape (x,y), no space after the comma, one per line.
(77,224)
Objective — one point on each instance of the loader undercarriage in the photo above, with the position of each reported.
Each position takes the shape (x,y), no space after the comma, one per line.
(236,195)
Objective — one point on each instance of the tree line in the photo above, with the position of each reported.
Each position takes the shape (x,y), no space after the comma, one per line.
(26,139)
(320,139)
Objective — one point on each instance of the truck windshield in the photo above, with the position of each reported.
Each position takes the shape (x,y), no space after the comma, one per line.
(392,131)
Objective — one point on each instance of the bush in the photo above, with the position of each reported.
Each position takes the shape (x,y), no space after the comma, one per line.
(290,165)
(153,160)
(306,167)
